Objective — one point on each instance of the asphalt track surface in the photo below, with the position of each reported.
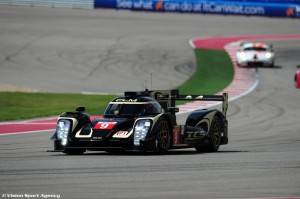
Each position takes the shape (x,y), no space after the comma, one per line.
(262,159)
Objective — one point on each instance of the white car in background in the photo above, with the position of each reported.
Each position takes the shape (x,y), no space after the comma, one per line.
(255,54)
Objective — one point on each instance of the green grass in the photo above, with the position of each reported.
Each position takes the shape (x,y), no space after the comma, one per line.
(214,72)
(30,105)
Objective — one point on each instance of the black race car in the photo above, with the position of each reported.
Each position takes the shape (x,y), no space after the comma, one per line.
(143,121)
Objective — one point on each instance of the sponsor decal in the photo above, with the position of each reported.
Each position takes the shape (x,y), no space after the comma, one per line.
(196,134)
(105,125)
(176,135)
(122,134)
(290,12)
(159,5)
(259,45)
(97,138)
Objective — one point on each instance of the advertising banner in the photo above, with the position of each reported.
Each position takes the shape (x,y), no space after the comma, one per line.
(272,8)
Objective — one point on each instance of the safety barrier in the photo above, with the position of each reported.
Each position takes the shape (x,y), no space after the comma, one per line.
(86,4)
(272,8)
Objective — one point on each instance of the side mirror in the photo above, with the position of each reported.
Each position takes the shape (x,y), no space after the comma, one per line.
(80,109)
(173,110)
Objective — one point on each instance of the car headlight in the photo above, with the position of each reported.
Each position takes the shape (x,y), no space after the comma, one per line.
(243,54)
(141,129)
(62,131)
(268,55)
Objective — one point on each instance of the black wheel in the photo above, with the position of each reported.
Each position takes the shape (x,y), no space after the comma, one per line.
(163,136)
(214,137)
(74,151)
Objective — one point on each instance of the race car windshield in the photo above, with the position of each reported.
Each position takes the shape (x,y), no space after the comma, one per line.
(255,48)
(123,109)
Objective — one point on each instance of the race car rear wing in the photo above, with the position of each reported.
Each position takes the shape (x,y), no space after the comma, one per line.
(223,98)
(168,98)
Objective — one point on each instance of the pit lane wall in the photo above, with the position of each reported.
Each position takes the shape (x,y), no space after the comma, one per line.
(272,8)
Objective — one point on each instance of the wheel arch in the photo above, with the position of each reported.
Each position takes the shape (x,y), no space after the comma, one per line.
(155,130)
(206,116)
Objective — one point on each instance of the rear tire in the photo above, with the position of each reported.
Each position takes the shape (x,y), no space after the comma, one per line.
(214,137)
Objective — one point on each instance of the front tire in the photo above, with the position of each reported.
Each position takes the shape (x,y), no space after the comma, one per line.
(214,137)
(163,140)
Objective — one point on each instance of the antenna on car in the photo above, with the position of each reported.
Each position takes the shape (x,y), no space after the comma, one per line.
(151,80)
(144,85)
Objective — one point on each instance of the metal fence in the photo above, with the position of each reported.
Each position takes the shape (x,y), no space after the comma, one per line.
(85,4)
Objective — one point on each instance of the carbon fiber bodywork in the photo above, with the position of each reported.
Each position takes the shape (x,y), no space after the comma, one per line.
(143,121)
